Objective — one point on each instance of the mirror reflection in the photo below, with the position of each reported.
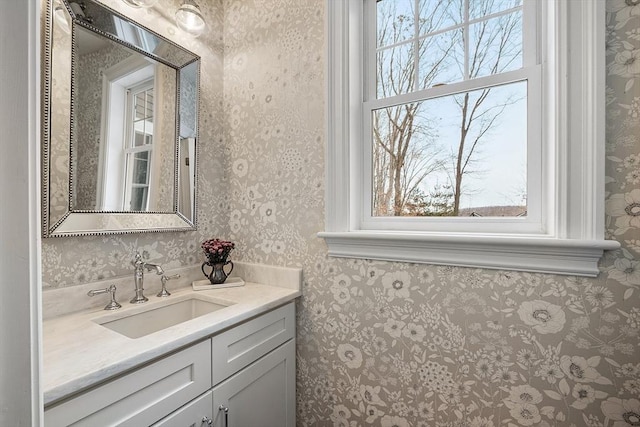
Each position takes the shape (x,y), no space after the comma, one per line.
(125,140)
(120,125)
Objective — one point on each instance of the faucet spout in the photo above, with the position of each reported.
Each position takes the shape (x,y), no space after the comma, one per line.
(156,267)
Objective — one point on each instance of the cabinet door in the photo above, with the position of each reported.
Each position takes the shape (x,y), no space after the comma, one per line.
(261,395)
(197,413)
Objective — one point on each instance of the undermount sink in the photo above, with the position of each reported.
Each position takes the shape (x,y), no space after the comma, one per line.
(155,319)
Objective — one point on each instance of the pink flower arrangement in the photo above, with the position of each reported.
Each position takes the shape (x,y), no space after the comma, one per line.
(217,250)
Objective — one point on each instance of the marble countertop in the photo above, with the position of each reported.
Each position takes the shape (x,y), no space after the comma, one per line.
(78,352)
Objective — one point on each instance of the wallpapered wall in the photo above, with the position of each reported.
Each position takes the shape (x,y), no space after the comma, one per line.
(450,346)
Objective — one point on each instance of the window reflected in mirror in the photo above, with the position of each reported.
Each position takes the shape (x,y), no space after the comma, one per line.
(126,135)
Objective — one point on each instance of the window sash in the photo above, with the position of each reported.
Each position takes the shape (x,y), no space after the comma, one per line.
(537,180)
(142,87)
(130,149)
(538,199)
(531,55)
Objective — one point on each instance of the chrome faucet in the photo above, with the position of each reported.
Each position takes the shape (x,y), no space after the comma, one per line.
(138,277)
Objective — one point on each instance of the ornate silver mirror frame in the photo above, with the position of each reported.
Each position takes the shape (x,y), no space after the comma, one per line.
(64,211)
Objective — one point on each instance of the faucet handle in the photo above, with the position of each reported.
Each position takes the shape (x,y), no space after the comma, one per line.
(164,279)
(113,304)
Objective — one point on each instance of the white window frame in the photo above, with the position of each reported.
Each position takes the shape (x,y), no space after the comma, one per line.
(113,129)
(570,237)
(530,72)
(130,149)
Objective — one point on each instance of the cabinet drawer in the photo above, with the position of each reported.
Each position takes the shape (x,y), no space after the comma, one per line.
(141,397)
(238,347)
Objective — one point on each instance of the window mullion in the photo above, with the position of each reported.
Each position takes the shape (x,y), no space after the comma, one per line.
(538,177)
(363,153)
(369,52)
(465,38)
(530,33)
(453,88)
(416,45)
(139,149)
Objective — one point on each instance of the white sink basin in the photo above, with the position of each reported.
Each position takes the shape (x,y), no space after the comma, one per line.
(155,319)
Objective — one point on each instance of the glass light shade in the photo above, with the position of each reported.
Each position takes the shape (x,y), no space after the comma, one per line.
(140,3)
(189,18)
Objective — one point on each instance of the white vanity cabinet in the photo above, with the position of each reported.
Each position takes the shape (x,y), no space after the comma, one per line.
(248,369)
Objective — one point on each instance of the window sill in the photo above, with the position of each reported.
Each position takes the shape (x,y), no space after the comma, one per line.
(522,253)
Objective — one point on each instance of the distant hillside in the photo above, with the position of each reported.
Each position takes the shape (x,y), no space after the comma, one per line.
(494,211)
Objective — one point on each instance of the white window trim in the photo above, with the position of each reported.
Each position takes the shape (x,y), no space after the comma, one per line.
(573,240)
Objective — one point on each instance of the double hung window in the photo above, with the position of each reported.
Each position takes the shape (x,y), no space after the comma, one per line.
(138,148)
(467,132)
(451,115)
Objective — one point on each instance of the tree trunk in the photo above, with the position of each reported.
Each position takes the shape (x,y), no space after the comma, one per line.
(459,172)
(397,189)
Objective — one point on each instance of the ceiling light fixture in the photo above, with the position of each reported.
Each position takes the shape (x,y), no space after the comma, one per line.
(189,18)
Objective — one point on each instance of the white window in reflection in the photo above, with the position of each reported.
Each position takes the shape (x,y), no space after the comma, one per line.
(127,154)
(138,146)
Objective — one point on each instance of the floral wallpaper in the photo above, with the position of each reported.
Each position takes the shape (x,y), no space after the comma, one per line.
(395,344)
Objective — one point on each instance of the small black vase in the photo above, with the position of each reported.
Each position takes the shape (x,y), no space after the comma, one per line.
(217,274)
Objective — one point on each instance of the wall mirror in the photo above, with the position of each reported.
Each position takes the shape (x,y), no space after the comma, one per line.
(120,124)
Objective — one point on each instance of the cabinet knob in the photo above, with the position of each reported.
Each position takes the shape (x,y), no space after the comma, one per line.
(226,414)
(207,421)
